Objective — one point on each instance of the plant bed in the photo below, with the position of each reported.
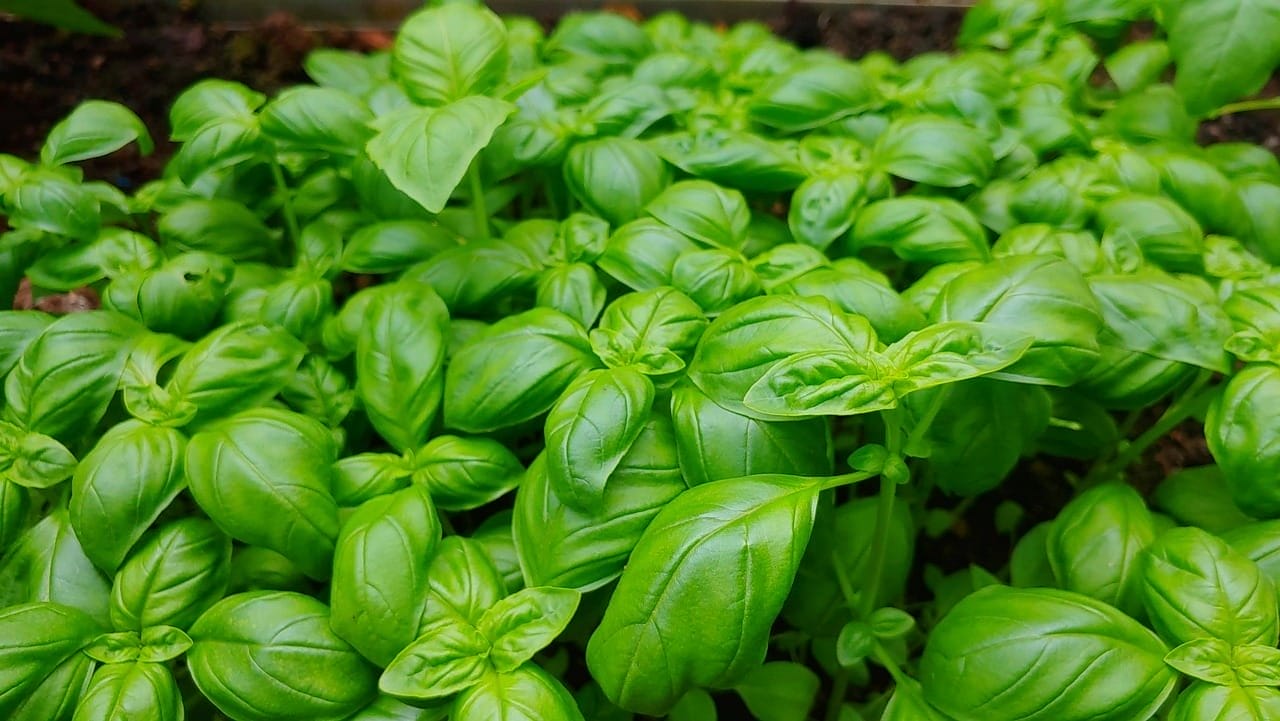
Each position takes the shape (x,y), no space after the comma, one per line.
(629,369)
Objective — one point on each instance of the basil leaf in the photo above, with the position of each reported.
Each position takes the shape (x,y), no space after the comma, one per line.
(172,577)
(935,151)
(769,330)
(1209,702)
(525,622)
(1242,435)
(590,429)
(48,563)
(1194,585)
(715,443)
(703,211)
(446,53)
(777,513)
(560,545)
(1095,545)
(263,476)
(1072,658)
(35,641)
(400,362)
(68,374)
(270,656)
(450,656)
(139,687)
(426,151)
(1044,297)
(1235,63)
(234,368)
(515,371)
(93,129)
(122,486)
(526,694)
(380,566)
(466,473)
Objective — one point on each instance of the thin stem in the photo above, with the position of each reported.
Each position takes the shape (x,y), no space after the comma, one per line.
(884,514)
(930,414)
(1188,404)
(1245,106)
(839,686)
(478,205)
(286,199)
(842,580)
(846,479)
(884,659)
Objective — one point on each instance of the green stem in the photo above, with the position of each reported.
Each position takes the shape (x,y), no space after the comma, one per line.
(839,686)
(286,199)
(478,205)
(846,479)
(884,659)
(1245,106)
(1191,401)
(884,514)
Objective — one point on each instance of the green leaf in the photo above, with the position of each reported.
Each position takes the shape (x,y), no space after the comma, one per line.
(907,704)
(49,201)
(697,705)
(824,207)
(216,226)
(591,427)
(208,101)
(400,362)
(779,691)
(515,370)
(1070,657)
(95,128)
(174,575)
(35,640)
(1194,585)
(854,644)
(1209,702)
(744,343)
(954,351)
(317,119)
(33,460)
(425,152)
(705,212)
(450,656)
(122,689)
(1095,545)
(819,383)
(466,473)
(443,54)
(812,95)
(1044,297)
(464,583)
(122,486)
(48,563)
(1244,437)
(380,564)
(394,245)
(921,229)
(615,178)
(890,623)
(715,443)
(234,368)
(562,546)
(686,566)
(1256,665)
(66,14)
(1206,659)
(526,694)
(524,623)
(935,151)
(263,476)
(1223,51)
(271,656)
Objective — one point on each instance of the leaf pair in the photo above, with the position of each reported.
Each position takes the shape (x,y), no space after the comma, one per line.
(854,382)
